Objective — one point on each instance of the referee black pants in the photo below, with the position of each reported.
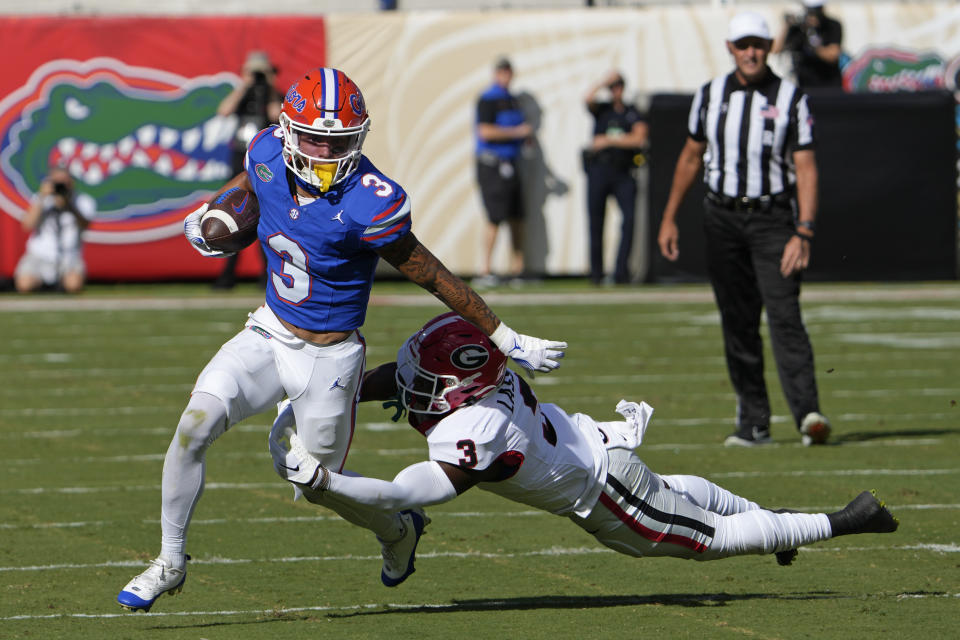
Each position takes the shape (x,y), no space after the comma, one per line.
(743,258)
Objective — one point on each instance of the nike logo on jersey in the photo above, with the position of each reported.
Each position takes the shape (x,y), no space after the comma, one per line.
(338,218)
(296,468)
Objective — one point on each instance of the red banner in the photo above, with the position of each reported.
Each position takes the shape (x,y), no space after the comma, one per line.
(129,105)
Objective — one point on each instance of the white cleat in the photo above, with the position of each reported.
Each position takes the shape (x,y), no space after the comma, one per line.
(398,556)
(141,592)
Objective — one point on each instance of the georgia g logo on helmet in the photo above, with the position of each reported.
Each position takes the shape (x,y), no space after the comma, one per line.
(469,356)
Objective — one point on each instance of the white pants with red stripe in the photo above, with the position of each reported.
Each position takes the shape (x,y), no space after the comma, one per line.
(641,513)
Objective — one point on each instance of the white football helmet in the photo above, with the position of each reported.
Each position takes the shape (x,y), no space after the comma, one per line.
(324,109)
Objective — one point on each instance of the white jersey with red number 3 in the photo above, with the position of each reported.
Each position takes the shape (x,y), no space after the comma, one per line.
(555,461)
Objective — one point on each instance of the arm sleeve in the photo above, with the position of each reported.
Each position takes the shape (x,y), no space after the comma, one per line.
(695,120)
(421,484)
(801,131)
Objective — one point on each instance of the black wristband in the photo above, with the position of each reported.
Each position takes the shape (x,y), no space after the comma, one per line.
(803,237)
(807,224)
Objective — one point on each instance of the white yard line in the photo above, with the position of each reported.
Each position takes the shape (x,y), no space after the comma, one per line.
(244,486)
(360,450)
(552,551)
(492,604)
(645,294)
(441,515)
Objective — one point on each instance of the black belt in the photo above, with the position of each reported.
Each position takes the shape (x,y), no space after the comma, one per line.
(749,205)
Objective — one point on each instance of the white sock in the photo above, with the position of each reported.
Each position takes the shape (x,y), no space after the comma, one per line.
(202,422)
(761,531)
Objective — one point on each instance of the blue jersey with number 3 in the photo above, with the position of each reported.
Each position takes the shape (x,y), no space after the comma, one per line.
(321,256)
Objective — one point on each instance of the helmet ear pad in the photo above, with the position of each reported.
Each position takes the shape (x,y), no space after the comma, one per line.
(447,364)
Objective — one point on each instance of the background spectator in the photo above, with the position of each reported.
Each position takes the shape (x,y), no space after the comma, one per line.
(501,132)
(814,43)
(56,219)
(619,131)
(255,102)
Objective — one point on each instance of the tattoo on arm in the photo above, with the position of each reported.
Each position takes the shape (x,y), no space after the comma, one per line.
(415,261)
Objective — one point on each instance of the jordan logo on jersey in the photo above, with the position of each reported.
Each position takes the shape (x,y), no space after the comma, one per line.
(336,385)
(338,218)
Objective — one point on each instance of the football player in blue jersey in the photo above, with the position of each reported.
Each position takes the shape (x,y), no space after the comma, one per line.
(326,216)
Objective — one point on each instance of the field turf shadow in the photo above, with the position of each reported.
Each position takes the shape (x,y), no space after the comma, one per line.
(592,602)
(863,436)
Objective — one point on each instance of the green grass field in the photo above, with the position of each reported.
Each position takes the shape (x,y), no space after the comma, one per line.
(91,390)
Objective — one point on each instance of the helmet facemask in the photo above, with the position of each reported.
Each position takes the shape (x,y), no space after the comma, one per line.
(344,145)
(426,393)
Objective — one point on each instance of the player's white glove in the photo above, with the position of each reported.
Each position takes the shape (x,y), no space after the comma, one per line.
(533,354)
(629,434)
(291,459)
(191,229)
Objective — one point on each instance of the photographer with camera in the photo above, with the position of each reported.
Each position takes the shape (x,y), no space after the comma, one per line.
(256,103)
(55,219)
(814,43)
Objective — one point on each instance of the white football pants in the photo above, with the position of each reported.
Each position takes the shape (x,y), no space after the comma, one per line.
(250,374)
(641,513)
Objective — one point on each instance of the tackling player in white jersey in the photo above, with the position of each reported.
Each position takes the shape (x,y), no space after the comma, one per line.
(485,427)
(326,216)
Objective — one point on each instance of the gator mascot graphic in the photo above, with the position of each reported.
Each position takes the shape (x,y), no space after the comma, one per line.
(145,143)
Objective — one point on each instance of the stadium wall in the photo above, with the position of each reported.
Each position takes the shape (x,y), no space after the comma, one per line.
(421,72)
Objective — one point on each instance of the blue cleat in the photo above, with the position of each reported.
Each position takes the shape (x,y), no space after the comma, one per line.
(141,592)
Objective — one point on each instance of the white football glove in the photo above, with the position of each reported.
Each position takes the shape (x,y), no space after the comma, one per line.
(291,459)
(533,354)
(629,434)
(191,229)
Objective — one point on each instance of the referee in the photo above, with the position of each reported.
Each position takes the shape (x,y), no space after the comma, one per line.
(752,133)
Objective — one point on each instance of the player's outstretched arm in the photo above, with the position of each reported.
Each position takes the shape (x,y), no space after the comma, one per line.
(379,383)
(421,484)
(416,262)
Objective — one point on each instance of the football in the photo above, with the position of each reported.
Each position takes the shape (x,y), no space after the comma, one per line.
(230,222)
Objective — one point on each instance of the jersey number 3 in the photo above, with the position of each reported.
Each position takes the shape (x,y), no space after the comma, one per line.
(293,285)
(469,449)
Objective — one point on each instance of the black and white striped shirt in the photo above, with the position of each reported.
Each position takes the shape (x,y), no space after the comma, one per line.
(750,132)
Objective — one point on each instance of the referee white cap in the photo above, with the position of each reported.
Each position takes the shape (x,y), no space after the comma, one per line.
(746,25)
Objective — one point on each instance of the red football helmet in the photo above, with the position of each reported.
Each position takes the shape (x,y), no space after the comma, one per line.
(324,121)
(446,364)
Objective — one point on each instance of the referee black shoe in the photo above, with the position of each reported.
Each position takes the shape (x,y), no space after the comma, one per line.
(749,437)
(864,514)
